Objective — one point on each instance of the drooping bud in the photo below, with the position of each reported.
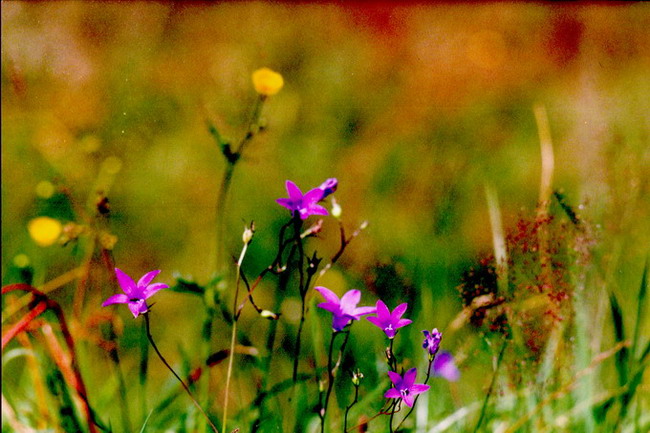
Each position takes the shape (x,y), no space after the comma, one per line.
(329,186)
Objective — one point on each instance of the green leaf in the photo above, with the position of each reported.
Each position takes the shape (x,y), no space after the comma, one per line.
(186,286)
(619,330)
(640,313)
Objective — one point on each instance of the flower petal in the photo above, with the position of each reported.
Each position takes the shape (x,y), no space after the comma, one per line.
(375,321)
(126,283)
(328,295)
(409,378)
(419,388)
(312,196)
(286,202)
(362,311)
(392,393)
(316,209)
(120,298)
(382,311)
(408,400)
(330,306)
(293,190)
(151,289)
(395,378)
(147,278)
(403,322)
(138,307)
(350,300)
(398,311)
(340,321)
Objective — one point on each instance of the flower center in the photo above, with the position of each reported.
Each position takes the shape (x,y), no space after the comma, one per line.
(404,392)
(389,328)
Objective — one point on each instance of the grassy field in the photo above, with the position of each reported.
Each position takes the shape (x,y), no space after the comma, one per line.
(488,165)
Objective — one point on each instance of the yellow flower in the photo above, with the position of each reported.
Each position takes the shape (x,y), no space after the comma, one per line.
(267,82)
(44,230)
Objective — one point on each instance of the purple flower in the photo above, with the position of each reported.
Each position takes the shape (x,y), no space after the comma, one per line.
(306,204)
(405,388)
(432,342)
(135,295)
(387,321)
(329,186)
(344,310)
(445,366)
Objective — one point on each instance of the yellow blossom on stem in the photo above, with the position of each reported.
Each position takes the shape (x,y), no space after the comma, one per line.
(45,231)
(267,82)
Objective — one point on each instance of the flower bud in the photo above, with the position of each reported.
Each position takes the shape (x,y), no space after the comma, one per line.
(247,236)
(329,186)
(267,82)
(356,377)
(336,209)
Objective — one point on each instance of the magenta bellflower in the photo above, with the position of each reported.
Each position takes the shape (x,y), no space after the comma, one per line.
(432,342)
(307,204)
(135,295)
(444,366)
(405,387)
(343,310)
(387,321)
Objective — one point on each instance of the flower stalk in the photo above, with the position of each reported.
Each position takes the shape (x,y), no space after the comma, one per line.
(169,367)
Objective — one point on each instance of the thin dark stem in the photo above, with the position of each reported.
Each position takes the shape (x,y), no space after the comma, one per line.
(330,380)
(347,409)
(390,421)
(491,388)
(164,361)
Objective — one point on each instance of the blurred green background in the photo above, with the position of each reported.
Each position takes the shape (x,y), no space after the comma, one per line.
(414,108)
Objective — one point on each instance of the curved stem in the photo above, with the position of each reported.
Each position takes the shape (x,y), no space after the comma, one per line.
(347,409)
(164,361)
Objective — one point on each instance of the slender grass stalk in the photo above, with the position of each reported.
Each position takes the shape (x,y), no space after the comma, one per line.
(164,361)
(121,383)
(595,362)
(491,388)
(234,332)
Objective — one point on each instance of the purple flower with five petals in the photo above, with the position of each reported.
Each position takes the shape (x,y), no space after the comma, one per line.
(343,310)
(135,295)
(432,342)
(405,387)
(304,204)
(444,366)
(387,321)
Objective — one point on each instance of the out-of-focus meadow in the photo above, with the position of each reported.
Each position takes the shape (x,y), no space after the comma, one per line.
(424,114)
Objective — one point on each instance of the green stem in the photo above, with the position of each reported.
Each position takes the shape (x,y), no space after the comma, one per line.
(491,388)
(164,361)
